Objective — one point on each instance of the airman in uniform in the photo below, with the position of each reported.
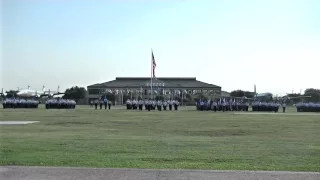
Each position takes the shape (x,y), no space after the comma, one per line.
(149,104)
(105,101)
(284,107)
(170,104)
(176,105)
(165,104)
(96,102)
(224,106)
(109,104)
(214,106)
(101,102)
(159,105)
(128,103)
(201,105)
(140,104)
(208,105)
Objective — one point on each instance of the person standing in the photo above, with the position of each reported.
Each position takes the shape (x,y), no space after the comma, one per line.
(201,105)
(140,104)
(176,104)
(149,104)
(128,103)
(109,104)
(96,103)
(284,107)
(105,101)
(170,104)
(160,105)
(214,106)
(165,103)
(101,102)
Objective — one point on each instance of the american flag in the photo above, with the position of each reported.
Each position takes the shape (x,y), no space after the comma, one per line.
(153,65)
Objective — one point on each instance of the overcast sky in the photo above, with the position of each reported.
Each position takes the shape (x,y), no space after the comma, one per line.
(235,44)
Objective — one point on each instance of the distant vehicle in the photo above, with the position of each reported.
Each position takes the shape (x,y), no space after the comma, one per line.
(258,96)
(28,93)
(269,96)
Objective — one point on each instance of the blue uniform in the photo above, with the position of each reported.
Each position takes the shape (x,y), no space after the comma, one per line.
(308,107)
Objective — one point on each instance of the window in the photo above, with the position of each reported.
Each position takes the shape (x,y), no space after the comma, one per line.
(147,84)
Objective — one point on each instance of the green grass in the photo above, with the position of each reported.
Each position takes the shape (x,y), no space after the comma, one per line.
(185,139)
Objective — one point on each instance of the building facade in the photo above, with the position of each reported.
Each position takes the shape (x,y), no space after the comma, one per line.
(142,87)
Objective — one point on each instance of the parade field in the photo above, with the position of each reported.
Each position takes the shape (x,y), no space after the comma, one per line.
(183,139)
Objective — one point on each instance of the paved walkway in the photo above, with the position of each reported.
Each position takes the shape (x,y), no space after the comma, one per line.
(57,173)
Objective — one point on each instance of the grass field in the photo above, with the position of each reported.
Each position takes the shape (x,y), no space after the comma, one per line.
(185,139)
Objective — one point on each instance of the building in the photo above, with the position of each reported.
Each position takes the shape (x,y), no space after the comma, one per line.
(140,87)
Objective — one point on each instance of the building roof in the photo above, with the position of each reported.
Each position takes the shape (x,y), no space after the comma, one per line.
(169,82)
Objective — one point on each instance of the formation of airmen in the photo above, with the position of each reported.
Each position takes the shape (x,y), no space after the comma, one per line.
(221,105)
(19,103)
(308,107)
(106,103)
(149,104)
(233,105)
(60,104)
(267,107)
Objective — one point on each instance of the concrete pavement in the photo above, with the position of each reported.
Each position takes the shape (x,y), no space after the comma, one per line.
(62,173)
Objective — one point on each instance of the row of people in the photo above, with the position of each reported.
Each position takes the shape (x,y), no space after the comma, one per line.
(19,103)
(221,106)
(152,104)
(267,107)
(238,106)
(308,107)
(106,103)
(60,104)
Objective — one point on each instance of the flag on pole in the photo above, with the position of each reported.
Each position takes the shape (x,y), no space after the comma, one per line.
(153,66)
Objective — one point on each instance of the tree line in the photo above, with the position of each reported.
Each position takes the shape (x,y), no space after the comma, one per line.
(314,93)
(77,93)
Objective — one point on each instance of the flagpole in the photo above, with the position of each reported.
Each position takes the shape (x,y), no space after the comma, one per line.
(151,74)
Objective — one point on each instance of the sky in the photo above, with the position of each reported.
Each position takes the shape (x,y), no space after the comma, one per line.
(234,44)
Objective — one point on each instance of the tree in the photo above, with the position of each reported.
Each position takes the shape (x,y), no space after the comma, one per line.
(11,94)
(201,96)
(159,98)
(177,98)
(125,98)
(189,97)
(241,93)
(237,93)
(76,93)
(295,100)
(249,94)
(314,93)
(110,97)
